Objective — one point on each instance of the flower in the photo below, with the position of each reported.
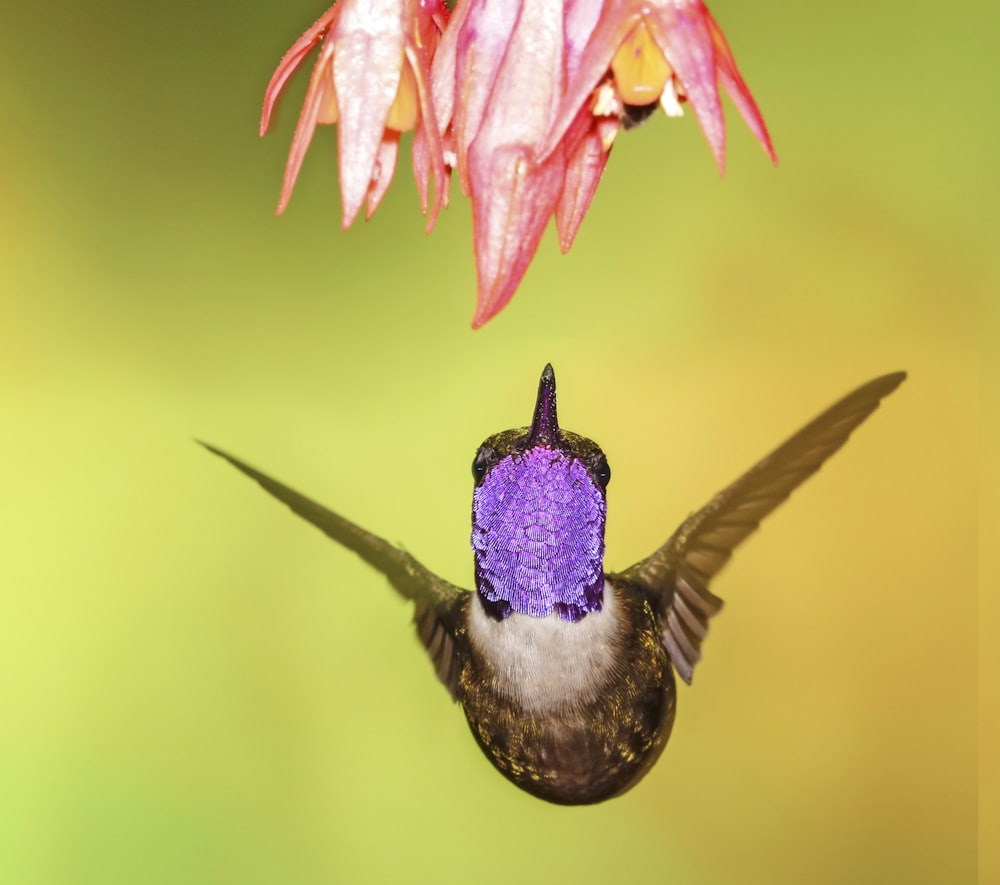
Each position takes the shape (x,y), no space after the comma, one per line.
(647,53)
(588,143)
(504,66)
(373,78)
(522,98)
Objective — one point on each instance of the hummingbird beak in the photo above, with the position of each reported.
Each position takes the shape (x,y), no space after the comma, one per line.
(545,425)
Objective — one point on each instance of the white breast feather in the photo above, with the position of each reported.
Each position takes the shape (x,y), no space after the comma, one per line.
(548,663)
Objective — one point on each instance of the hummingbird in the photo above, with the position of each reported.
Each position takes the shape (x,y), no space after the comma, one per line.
(566,671)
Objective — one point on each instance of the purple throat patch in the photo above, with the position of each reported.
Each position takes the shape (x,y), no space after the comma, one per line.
(538,536)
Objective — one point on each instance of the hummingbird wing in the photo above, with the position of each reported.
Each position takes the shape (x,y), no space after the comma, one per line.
(438,602)
(679,572)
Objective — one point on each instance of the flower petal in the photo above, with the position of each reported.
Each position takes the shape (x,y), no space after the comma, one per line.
(581,18)
(679,28)
(444,83)
(512,194)
(485,35)
(617,19)
(584,168)
(738,91)
(512,199)
(369,42)
(425,168)
(290,62)
(316,100)
(428,147)
(382,172)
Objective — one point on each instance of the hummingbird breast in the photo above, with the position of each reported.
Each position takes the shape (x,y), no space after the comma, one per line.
(573,712)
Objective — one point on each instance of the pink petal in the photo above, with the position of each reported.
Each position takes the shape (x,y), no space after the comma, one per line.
(369,42)
(681,31)
(483,37)
(318,83)
(581,20)
(444,84)
(422,173)
(382,172)
(425,167)
(428,148)
(512,199)
(512,194)
(584,168)
(734,84)
(290,62)
(618,17)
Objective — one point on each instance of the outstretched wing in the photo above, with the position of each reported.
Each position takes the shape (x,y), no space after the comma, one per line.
(681,570)
(437,600)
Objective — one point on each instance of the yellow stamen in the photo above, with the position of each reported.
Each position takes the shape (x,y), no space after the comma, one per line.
(605,101)
(405,110)
(671,99)
(641,72)
(608,137)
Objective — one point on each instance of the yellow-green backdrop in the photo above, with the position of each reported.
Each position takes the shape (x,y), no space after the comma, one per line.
(195,686)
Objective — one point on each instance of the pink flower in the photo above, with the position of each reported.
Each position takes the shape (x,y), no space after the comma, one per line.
(647,53)
(587,144)
(503,63)
(523,98)
(373,78)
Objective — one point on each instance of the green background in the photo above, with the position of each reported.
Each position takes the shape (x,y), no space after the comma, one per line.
(197,687)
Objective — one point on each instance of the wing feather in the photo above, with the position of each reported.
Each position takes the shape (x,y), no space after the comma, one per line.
(437,600)
(680,571)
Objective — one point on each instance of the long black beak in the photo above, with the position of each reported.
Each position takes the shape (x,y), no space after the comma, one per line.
(545,424)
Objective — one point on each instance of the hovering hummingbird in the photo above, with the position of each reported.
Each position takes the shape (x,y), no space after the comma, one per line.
(566,671)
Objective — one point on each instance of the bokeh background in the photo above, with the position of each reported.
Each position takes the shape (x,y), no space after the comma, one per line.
(196,687)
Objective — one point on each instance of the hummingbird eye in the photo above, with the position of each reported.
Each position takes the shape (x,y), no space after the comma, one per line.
(603,472)
(485,458)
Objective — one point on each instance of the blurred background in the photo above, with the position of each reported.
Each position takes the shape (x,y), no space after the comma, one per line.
(196,686)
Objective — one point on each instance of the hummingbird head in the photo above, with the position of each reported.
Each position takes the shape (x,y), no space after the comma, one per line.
(538,513)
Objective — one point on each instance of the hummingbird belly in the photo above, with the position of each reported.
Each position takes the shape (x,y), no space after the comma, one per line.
(572,712)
